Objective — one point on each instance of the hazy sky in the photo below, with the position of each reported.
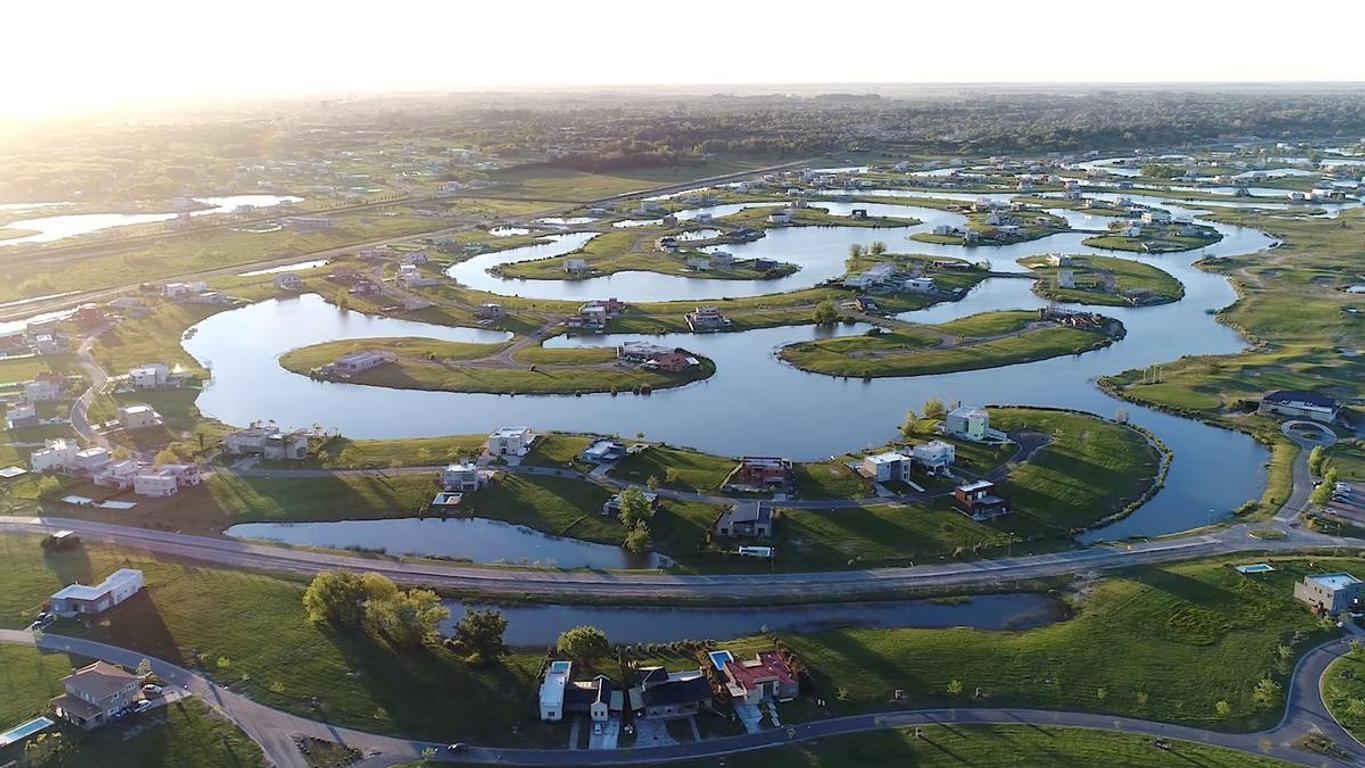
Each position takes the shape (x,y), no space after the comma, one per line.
(63,57)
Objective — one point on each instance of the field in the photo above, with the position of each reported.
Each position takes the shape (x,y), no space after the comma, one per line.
(1135,283)
(1154,243)
(1343,690)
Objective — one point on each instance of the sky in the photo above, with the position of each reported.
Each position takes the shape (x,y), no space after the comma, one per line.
(74,57)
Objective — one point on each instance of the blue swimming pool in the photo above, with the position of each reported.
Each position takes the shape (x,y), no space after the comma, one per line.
(21,732)
(720,658)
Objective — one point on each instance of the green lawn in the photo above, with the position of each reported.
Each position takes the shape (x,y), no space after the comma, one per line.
(1153,243)
(1343,689)
(1135,283)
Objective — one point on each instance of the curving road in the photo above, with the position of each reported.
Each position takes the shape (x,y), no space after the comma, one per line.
(274,730)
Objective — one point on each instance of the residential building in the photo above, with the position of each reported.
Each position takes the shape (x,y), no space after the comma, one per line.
(95,693)
(934,456)
(765,473)
(640,351)
(1299,405)
(596,698)
(890,467)
(90,461)
(1066,278)
(138,416)
(706,319)
(511,441)
(463,477)
(767,677)
(269,442)
(781,216)
(45,387)
(166,480)
(359,362)
(552,689)
(56,455)
(181,290)
(603,451)
(576,266)
(118,474)
(750,521)
(978,501)
(919,285)
(490,312)
(84,600)
(1329,592)
(149,376)
(968,423)
(89,316)
(19,415)
(612,507)
(288,281)
(673,361)
(663,694)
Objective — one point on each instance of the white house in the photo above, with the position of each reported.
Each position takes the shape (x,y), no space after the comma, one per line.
(21,415)
(1066,278)
(179,290)
(118,474)
(780,216)
(358,362)
(288,281)
(1156,216)
(575,266)
(919,285)
(55,455)
(91,460)
(935,456)
(968,423)
(462,477)
(166,480)
(1329,592)
(138,416)
(886,467)
(83,600)
(552,690)
(149,375)
(45,388)
(511,441)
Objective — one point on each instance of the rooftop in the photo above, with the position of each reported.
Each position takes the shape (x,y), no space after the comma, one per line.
(1334,581)
(87,592)
(100,680)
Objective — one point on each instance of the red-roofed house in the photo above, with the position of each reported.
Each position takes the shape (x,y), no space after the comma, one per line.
(767,677)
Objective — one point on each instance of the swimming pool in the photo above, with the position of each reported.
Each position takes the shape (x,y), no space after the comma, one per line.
(1256,568)
(21,732)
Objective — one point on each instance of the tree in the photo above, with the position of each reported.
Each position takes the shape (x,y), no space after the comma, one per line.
(409,619)
(166,456)
(335,597)
(855,251)
(934,409)
(584,643)
(877,249)
(1223,708)
(1322,495)
(635,508)
(49,749)
(636,538)
(826,313)
(955,687)
(1315,458)
(144,668)
(908,426)
(481,632)
(1266,693)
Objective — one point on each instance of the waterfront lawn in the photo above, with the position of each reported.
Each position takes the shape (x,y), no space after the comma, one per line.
(345,453)
(1135,283)
(1004,746)
(1164,643)
(153,338)
(1153,243)
(678,468)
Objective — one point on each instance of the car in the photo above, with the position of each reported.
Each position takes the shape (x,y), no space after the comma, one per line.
(597,729)
(142,706)
(151,691)
(458,746)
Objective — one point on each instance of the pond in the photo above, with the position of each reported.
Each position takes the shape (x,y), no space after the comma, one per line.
(475,539)
(50,228)
(534,625)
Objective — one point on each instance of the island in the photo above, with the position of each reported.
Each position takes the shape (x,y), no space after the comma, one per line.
(1106,280)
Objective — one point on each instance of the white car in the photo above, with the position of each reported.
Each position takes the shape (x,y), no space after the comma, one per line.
(142,706)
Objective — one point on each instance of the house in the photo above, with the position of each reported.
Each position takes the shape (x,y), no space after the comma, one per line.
(612,507)
(95,693)
(1299,405)
(267,441)
(138,416)
(83,600)
(640,351)
(603,451)
(663,694)
(947,230)
(672,361)
(511,441)
(722,259)
(55,455)
(919,285)
(166,480)
(699,262)
(1156,216)
(597,698)
(366,288)
(45,387)
(781,216)
(968,423)
(552,689)
(21,415)
(149,376)
(47,344)
(576,266)
(746,521)
(306,224)
(183,290)
(90,461)
(978,501)
(1058,260)
(1329,592)
(934,456)
(89,316)
(288,281)
(890,467)
(766,677)
(118,475)
(667,244)
(704,319)
(1066,278)
(763,473)
(359,362)
(490,312)
(463,477)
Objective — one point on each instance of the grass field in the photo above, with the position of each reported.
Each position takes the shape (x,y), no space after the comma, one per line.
(565,185)
(1135,283)
(1153,243)
(1343,690)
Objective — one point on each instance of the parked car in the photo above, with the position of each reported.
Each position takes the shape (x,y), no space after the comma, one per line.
(151,691)
(142,706)
(458,746)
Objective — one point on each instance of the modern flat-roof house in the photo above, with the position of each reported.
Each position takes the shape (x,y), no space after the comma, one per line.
(91,461)
(1329,592)
(552,690)
(56,454)
(575,266)
(95,693)
(138,416)
(603,451)
(359,362)
(463,477)
(919,284)
(288,281)
(660,693)
(753,521)
(934,456)
(890,467)
(267,441)
(978,501)
(19,415)
(511,441)
(706,319)
(766,473)
(764,678)
(149,376)
(166,480)
(84,600)
(45,387)
(118,474)
(612,507)
(1299,405)
(968,423)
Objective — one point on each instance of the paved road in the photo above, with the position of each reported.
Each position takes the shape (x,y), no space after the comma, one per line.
(80,409)
(275,730)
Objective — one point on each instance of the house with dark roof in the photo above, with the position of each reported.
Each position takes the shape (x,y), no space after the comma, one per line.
(1296,404)
(749,521)
(979,501)
(95,693)
(597,698)
(660,693)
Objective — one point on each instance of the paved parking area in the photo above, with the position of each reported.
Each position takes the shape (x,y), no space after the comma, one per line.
(611,733)
(650,732)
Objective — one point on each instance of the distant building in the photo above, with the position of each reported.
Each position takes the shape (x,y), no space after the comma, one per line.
(19,415)
(765,678)
(307,224)
(91,461)
(1329,592)
(888,467)
(55,455)
(359,362)
(166,480)
(576,266)
(94,693)
(269,442)
(83,600)
(511,441)
(603,451)
(612,507)
(968,423)
(490,312)
(288,281)
(45,387)
(934,456)
(919,285)
(462,477)
(746,521)
(979,502)
(149,376)
(1299,405)
(765,473)
(552,689)
(138,416)
(706,319)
